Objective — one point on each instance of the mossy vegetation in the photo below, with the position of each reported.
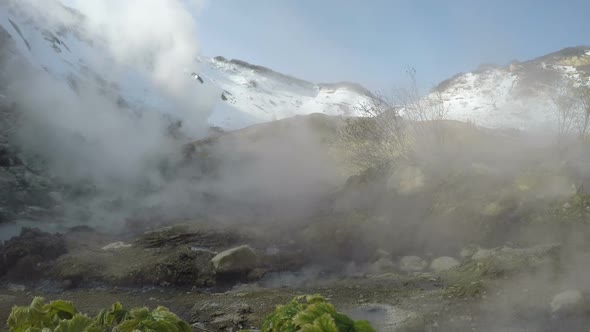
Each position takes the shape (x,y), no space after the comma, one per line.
(311,313)
(62,316)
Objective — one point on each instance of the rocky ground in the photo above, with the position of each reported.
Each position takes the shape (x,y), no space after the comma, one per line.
(220,280)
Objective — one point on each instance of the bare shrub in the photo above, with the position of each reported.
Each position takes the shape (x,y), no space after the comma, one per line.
(389,128)
(572,107)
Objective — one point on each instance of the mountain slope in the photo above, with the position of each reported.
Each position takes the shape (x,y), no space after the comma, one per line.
(243,94)
(517,95)
(266,95)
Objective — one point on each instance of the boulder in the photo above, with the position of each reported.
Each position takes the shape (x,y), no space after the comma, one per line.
(241,259)
(566,302)
(443,263)
(412,264)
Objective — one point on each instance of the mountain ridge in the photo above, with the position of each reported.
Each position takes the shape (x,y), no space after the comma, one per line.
(242,93)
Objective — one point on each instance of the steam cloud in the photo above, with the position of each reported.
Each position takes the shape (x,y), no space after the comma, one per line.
(128,163)
(81,130)
(158,38)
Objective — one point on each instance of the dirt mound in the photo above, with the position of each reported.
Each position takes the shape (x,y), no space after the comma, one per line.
(30,254)
(170,256)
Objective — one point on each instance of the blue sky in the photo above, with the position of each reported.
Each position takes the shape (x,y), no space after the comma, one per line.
(373,41)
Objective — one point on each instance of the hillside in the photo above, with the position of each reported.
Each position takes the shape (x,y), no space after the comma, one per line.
(517,95)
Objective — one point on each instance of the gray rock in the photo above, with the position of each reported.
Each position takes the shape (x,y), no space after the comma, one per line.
(569,301)
(412,264)
(443,263)
(237,260)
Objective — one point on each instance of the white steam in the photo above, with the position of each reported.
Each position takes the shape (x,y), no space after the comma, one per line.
(77,124)
(156,38)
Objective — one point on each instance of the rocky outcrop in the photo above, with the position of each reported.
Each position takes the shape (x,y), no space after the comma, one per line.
(121,264)
(28,255)
(26,189)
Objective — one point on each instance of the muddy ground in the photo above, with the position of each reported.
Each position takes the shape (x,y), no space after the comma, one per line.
(499,289)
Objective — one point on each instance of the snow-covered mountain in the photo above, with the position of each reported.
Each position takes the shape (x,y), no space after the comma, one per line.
(265,95)
(245,94)
(518,95)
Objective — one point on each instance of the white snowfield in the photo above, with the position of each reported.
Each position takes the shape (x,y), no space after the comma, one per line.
(265,95)
(245,94)
(486,99)
(494,98)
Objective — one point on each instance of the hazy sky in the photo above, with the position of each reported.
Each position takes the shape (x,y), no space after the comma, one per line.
(373,41)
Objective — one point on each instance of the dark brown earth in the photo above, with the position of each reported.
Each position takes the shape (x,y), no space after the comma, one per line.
(504,289)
